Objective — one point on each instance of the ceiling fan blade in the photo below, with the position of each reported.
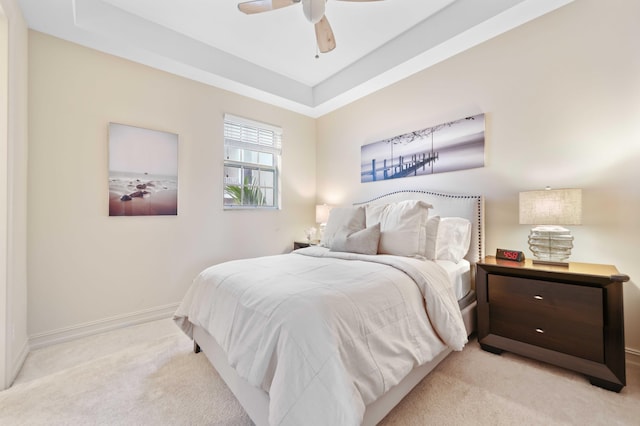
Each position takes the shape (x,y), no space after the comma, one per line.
(257,6)
(324,36)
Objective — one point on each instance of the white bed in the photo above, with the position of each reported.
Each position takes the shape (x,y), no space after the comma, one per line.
(377,394)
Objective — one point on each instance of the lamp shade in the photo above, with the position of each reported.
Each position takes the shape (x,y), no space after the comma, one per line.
(551,207)
(322,213)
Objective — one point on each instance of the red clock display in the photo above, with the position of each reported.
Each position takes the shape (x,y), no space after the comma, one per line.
(515,255)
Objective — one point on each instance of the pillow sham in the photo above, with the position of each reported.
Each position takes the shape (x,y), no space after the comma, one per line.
(403,228)
(364,241)
(431,237)
(373,213)
(351,218)
(454,238)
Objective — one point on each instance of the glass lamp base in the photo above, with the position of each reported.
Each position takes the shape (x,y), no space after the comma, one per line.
(551,244)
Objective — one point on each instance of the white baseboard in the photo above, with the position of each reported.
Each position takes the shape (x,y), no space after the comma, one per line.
(633,356)
(100,326)
(19,362)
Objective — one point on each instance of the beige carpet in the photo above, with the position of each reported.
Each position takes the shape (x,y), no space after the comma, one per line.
(148,375)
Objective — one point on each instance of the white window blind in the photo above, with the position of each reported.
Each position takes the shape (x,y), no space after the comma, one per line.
(252,153)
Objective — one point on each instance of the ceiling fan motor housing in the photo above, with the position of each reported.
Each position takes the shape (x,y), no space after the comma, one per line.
(313,10)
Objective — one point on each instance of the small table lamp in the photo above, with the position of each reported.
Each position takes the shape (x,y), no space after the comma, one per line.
(549,242)
(322,216)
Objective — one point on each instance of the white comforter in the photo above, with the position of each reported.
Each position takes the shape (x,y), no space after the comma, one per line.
(325,333)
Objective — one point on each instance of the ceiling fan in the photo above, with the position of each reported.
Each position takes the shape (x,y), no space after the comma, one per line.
(313,10)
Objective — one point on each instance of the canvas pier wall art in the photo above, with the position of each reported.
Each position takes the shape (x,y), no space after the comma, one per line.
(456,145)
(143,171)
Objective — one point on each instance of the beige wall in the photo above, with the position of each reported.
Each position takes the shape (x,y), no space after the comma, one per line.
(13,192)
(562,100)
(86,267)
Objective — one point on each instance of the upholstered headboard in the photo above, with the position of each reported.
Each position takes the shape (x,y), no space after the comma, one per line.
(470,207)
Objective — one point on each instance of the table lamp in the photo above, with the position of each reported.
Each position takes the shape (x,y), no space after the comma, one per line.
(549,209)
(322,216)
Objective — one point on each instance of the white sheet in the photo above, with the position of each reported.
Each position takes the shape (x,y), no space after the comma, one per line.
(459,274)
(325,333)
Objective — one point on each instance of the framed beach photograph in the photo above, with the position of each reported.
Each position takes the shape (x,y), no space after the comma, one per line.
(455,145)
(143,171)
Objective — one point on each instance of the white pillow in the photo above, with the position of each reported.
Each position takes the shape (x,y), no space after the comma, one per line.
(403,228)
(454,238)
(373,213)
(364,241)
(432,236)
(351,218)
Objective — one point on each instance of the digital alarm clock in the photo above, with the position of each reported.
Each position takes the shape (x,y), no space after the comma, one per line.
(515,255)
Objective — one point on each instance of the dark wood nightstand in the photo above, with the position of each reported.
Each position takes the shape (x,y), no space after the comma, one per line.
(571,316)
(300,244)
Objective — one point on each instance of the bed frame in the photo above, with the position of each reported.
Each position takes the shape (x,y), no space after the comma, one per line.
(255,401)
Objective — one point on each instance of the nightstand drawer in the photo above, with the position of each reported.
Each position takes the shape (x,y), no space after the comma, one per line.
(546,331)
(557,302)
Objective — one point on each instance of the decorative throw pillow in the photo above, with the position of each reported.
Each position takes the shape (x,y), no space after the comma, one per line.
(364,241)
(454,238)
(352,218)
(403,228)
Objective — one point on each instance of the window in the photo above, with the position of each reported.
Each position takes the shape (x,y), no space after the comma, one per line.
(251,163)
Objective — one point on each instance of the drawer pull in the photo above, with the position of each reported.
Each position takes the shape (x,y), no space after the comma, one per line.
(539,330)
(538,297)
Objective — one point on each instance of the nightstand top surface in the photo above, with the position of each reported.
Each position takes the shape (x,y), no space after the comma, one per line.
(592,269)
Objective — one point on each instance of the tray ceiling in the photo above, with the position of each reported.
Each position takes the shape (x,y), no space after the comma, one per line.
(272,56)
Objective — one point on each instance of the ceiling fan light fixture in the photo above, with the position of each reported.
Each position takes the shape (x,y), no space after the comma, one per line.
(313,10)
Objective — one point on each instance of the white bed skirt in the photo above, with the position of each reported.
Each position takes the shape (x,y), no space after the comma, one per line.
(255,401)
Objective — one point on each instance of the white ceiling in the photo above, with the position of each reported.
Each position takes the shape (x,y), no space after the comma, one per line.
(271,56)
